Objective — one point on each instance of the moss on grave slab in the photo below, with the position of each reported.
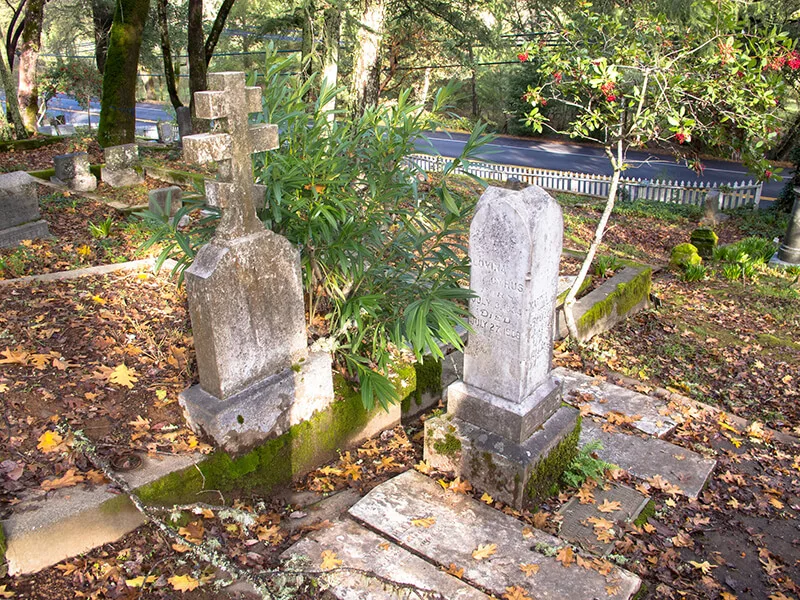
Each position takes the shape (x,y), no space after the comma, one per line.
(449,446)
(172,175)
(624,298)
(276,462)
(684,255)
(28,144)
(543,481)
(648,511)
(705,240)
(587,282)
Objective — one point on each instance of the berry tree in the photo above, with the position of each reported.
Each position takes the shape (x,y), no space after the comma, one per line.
(636,78)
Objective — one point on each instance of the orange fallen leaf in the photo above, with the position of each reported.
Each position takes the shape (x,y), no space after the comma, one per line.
(329,560)
(529,569)
(50,441)
(426,522)
(566,556)
(454,571)
(122,375)
(183,583)
(69,479)
(516,593)
(609,507)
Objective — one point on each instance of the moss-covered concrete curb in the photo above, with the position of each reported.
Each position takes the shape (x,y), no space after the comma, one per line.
(621,296)
(173,176)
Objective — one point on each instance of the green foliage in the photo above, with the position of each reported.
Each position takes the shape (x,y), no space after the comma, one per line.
(382,258)
(101,230)
(742,259)
(692,272)
(604,266)
(586,465)
(78,78)
(762,223)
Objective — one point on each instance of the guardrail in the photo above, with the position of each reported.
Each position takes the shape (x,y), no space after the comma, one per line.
(746,193)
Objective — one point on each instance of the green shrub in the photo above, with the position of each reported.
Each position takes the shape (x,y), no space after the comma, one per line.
(606,265)
(101,230)
(586,465)
(732,271)
(382,260)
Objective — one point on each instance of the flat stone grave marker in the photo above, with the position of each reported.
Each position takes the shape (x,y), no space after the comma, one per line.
(19,210)
(505,416)
(245,293)
(577,528)
(122,168)
(72,170)
(184,118)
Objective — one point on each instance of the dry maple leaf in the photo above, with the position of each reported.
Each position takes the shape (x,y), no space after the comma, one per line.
(612,590)
(604,535)
(426,522)
(460,487)
(770,566)
(183,583)
(516,593)
(423,467)
(353,472)
(487,498)
(540,519)
(705,566)
(776,503)
(49,441)
(529,569)
(69,479)
(484,551)
(122,375)
(600,523)
(193,532)
(453,570)
(609,507)
(138,582)
(4,593)
(585,496)
(565,556)
(682,540)
(329,560)
(387,462)
(19,357)
(40,361)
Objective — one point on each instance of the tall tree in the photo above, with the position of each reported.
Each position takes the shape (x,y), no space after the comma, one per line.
(27,93)
(365,82)
(166,53)
(12,107)
(118,112)
(102,19)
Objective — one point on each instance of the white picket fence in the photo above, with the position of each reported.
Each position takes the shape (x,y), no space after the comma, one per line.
(746,193)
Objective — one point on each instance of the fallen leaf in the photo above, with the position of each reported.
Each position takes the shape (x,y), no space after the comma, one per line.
(453,570)
(50,441)
(705,566)
(329,560)
(426,522)
(487,498)
(566,556)
(69,479)
(423,467)
(138,582)
(183,583)
(529,569)
(609,507)
(484,551)
(776,503)
(4,593)
(516,593)
(122,375)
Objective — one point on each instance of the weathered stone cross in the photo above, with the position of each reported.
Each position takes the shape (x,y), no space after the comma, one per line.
(230,102)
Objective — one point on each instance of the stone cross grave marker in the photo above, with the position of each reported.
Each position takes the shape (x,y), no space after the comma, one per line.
(245,291)
(508,403)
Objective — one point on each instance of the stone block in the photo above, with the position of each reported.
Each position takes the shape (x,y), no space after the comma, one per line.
(492,463)
(121,168)
(166,133)
(705,240)
(514,421)
(72,170)
(29,231)
(19,201)
(184,117)
(265,410)
(160,198)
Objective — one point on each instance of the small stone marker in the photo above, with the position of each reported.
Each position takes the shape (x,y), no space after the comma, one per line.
(122,167)
(705,240)
(789,251)
(245,292)
(72,170)
(160,198)
(711,210)
(19,210)
(166,133)
(508,394)
(184,118)
(577,528)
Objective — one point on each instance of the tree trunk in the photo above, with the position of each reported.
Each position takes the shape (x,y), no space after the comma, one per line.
(307,45)
(118,111)
(12,108)
(13,32)
(27,89)
(365,84)
(331,34)
(102,18)
(569,301)
(166,53)
(198,67)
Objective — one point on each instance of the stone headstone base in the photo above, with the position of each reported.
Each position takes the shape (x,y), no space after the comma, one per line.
(515,421)
(122,177)
(777,263)
(517,474)
(27,231)
(265,409)
(86,183)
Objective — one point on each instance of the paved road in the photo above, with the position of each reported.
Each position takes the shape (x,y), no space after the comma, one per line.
(531,153)
(590,159)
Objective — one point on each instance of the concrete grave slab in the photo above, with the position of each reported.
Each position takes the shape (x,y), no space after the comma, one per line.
(462,523)
(645,457)
(360,548)
(19,210)
(603,398)
(577,529)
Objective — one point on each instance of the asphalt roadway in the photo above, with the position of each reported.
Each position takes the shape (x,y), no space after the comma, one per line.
(559,156)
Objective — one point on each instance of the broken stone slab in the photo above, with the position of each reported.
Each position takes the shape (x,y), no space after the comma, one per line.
(576,528)
(644,457)
(603,398)
(517,474)
(45,530)
(461,524)
(360,548)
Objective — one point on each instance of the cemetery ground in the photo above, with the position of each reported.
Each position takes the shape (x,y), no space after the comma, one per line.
(109,354)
